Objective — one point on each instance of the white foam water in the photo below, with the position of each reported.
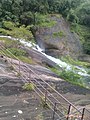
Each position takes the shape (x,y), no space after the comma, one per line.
(80,70)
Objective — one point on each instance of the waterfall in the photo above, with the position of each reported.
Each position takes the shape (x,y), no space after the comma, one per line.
(80,70)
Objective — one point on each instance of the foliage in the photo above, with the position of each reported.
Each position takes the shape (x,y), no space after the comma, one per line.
(87,47)
(70,60)
(4,32)
(24,11)
(84,34)
(27,18)
(22,32)
(17,52)
(29,12)
(12,29)
(8,25)
(86,81)
(9,43)
(72,17)
(13,47)
(83,12)
(70,76)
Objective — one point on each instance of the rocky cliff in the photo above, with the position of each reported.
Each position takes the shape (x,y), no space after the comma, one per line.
(58,40)
(17,103)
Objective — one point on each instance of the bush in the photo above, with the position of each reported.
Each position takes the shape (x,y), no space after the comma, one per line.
(8,25)
(27,18)
(21,32)
(11,29)
(70,76)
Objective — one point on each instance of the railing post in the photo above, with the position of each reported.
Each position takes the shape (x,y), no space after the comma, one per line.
(11,61)
(46,95)
(83,114)
(29,76)
(19,67)
(54,110)
(68,112)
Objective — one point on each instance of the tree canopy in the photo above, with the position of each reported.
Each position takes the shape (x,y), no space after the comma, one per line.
(20,10)
(24,11)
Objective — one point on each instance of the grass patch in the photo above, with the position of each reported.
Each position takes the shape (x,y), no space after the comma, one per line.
(9,43)
(17,51)
(81,30)
(44,104)
(44,21)
(56,15)
(26,59)
(69,76)
(21,55)
(13,47)
(58,34)
(47,37)
(84,35)
(70,60)
(6,53)
(48,23)
(29,86)
(72,77)
(39,117)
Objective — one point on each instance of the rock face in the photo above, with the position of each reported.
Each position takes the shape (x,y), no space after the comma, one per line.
(84,58)
(58,40)
(19,104)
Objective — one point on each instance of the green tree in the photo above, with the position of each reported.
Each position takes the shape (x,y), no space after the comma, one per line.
(26,18)
(72,17)
(87,47)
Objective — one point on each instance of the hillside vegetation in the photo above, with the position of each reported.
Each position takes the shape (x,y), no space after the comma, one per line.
(41,45)
(33,12)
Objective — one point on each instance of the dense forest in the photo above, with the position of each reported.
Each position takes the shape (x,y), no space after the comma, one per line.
(26,12)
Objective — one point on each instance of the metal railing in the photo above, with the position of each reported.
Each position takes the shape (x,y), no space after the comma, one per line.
(58,105)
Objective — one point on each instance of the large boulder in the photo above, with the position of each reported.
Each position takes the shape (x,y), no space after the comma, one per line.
(58,40)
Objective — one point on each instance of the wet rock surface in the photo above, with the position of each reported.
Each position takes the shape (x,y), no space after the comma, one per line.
(19,104)
(58,40)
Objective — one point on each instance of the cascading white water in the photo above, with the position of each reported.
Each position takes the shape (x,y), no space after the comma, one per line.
(81,71)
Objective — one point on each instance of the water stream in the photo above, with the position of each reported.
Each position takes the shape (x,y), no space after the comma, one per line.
(68,67)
